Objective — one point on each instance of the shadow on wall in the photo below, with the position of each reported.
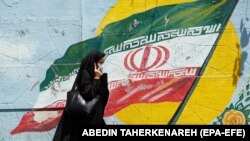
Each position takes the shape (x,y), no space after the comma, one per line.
(237,65)
(244,41)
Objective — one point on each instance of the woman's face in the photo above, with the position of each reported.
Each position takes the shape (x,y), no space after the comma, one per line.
(100,63)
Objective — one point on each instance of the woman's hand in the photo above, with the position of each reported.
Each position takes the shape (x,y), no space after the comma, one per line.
(98,72)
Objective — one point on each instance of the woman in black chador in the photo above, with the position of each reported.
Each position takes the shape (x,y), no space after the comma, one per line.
(91,82)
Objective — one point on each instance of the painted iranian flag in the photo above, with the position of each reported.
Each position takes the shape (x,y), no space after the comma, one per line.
(154,56)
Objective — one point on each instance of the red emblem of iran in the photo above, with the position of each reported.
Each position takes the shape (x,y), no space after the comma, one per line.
(152,57)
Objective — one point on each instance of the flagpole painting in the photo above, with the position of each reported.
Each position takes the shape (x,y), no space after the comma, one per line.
(163,63)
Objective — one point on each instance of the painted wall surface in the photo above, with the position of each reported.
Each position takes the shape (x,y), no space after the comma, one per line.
(169,62)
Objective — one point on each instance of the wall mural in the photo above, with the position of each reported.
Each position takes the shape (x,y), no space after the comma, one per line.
(169,62)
